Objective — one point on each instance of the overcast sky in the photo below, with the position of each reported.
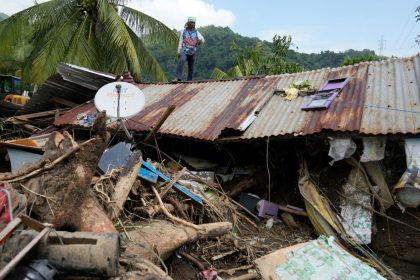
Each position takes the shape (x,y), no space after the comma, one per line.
(315,25)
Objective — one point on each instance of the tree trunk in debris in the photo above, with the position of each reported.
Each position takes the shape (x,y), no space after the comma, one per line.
(242,186)
(164,237)
(61,194)
(125,184)
(143,269)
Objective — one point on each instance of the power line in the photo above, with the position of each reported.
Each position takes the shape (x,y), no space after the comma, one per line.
(404,29)
(403,42)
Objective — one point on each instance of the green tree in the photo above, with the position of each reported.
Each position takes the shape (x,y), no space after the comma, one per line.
(254,61)
(349,60)
(105,35)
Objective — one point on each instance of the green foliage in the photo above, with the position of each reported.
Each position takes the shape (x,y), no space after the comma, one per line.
(103,35)
(217,52)
(348,60)
(253,61)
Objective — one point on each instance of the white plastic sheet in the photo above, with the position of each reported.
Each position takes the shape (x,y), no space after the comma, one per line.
(412,152)
(373,149)
(341,148)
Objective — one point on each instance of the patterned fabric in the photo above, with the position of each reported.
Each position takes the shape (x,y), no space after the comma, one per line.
(189,41)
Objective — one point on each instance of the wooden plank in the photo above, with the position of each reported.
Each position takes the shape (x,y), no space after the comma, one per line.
(32,223)
(125,184)
(27,117)
(148,175)
(9,267)
(8,230)
(176,185)
(159,123)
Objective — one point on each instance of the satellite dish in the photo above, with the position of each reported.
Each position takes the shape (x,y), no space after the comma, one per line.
(119,96)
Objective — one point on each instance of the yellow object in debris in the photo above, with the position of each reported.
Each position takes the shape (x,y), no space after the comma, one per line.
(291,93)
(16,99)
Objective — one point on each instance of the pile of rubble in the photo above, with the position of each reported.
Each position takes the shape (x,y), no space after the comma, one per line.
(84,197)
(89,208)
(126,222)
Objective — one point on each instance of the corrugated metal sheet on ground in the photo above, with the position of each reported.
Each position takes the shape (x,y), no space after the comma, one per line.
(383,97)
(68,85)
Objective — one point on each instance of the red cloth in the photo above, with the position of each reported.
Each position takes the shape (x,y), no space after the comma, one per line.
(4,209)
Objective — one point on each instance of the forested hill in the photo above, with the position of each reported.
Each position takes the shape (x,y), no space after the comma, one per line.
(216,52)
(3,16)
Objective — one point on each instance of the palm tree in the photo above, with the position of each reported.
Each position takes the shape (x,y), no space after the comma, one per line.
(105,35)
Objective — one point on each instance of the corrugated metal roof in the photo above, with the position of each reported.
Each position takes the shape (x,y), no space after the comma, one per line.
(382,97)
(392,103)
(72,83)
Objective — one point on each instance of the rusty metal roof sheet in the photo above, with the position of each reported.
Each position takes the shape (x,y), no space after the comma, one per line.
(382,97)
(392,103)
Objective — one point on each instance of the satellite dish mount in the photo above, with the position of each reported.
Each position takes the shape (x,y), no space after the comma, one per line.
(121,100)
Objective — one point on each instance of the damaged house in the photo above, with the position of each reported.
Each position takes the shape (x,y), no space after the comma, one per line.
(319,165)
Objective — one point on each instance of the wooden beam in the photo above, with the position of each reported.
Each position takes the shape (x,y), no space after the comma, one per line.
(159,123)
(36,115)
(64,102)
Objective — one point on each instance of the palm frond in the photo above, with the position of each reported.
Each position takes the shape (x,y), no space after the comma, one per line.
(20,26)
(114,34)
(148,63)
(235,72)
(149,28)
(83,48)
(218,74)
(53,50)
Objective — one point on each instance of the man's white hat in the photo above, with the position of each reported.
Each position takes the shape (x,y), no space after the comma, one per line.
(191,19)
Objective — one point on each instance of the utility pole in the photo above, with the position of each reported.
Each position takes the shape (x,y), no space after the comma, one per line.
(381,45)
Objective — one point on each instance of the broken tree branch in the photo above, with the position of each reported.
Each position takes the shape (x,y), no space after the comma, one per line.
(221,256)
(164,237)
(193,260)
(242,186)
(293,211)
(172,182)
(170,216)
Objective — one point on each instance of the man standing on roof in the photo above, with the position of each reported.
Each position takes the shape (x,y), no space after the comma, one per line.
(189,39)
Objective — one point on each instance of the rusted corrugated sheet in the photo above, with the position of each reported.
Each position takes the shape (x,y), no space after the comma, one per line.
(392,103)
(203,110)
(383,97)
